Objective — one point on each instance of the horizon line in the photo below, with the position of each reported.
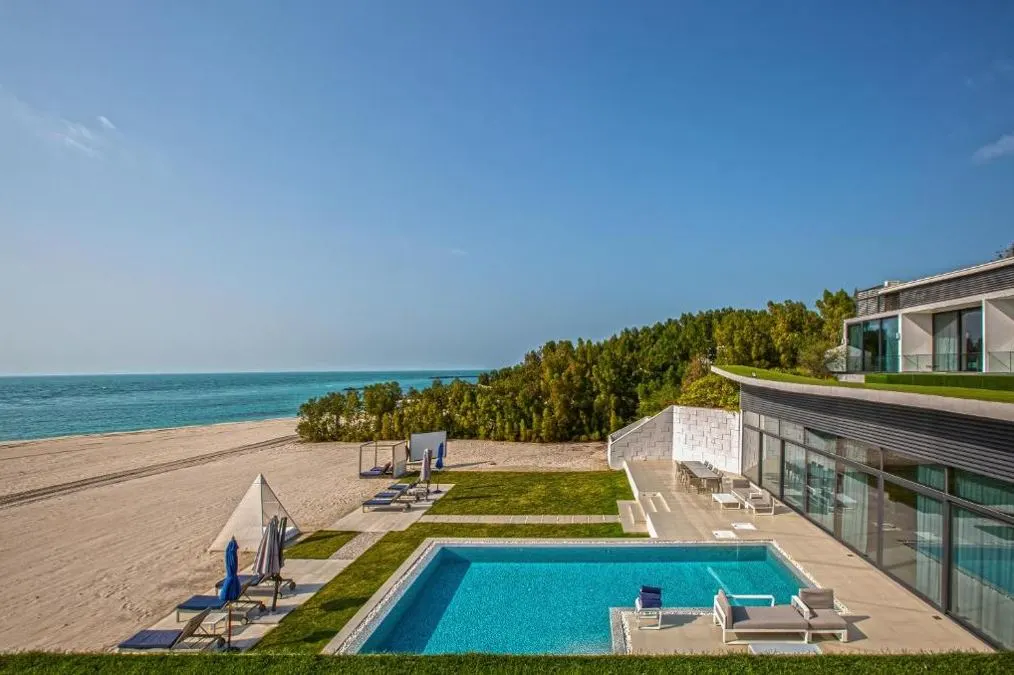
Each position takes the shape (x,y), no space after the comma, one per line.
(250,372)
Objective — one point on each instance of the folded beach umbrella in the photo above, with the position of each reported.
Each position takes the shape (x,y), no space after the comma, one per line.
(440,456)
(267,562)
(427,470)
(230,586)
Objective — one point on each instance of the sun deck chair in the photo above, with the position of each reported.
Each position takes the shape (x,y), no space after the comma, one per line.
(246,582)
(376,472)
(816,605)
(648,605)
(385,498)
(191,636)
(769,619)
(754,499)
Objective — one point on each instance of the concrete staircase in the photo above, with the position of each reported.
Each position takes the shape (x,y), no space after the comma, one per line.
(632,517)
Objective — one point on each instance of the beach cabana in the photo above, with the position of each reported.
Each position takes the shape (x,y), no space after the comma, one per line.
(393,464)
(258,506)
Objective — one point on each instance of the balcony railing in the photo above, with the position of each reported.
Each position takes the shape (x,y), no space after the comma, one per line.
(998,362)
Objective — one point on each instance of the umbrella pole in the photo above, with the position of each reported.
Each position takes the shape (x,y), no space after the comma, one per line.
(228,628)
(274,598)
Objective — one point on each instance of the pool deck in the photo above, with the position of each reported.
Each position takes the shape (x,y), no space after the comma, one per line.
(883,616)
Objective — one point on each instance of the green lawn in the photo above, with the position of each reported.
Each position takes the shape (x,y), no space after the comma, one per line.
(739,664)
(320,545)
(564,493)
(996,395)
(310,627)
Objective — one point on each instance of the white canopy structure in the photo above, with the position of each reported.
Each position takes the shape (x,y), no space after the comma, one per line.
(253,514)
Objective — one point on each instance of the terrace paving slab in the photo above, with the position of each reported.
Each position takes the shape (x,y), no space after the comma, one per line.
(884,616)
(390,519)
(309,575)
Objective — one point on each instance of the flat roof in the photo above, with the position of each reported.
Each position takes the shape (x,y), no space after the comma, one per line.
(960,401)
(964,271)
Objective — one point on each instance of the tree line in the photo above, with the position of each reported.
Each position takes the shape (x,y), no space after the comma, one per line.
(567,391)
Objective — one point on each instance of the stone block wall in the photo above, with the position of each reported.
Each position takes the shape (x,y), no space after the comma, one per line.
(650,439)
(707,434)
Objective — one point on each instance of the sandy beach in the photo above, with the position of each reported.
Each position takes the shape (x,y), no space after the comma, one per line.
(86,568)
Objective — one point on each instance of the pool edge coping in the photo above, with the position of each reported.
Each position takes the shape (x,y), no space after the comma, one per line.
(355,632)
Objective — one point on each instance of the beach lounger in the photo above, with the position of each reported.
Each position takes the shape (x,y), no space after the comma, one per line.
(246,581)
(816,605)
(756,620)
(385,498)
(648,605)
(376,472)
(753,499)
(191,636)
(200,603)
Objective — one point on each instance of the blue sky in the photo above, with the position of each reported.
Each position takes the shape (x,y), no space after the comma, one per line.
(190,186)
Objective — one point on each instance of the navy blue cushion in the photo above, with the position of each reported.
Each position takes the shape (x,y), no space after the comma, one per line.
(651,589)
(201,602)
(378,502)
(650,599)
(151,639)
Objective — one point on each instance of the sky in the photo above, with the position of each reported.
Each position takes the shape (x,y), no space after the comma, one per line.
(248,185)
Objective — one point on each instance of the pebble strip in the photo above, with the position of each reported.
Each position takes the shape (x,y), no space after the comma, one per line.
(357,546)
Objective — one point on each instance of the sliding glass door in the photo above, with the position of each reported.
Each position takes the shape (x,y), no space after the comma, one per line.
(858,510)
(794,486)
(820,490)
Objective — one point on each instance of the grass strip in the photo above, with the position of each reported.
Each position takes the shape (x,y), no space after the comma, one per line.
(320,545)
(736,664)
(515,493)
(994,395)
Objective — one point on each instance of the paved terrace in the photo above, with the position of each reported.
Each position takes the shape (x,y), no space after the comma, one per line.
(883,615)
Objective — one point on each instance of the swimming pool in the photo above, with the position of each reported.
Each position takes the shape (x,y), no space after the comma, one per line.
(556,599)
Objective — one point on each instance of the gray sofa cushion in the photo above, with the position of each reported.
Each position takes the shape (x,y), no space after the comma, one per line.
(723,603)
(827,619)
(782,617)
(817,598)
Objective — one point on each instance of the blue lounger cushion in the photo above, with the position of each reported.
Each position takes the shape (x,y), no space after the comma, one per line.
(244,580)
(650,597)
(378,502)
(387,494)
(200,603)
(151,639)
(375,471)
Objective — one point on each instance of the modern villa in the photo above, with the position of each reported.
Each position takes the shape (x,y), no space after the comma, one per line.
(960,321)
(920,485)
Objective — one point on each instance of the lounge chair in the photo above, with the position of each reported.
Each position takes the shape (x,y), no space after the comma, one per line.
(385,498)
(754,499)
(246,581)
(191,636)
(769,619)
(816,605)
(648,605)
(376,472)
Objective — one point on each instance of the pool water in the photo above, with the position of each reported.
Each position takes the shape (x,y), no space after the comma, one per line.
(556,599)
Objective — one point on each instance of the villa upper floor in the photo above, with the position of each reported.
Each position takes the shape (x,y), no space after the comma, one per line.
(959,321)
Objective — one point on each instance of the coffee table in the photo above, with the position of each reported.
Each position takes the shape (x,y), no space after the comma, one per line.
(726,500)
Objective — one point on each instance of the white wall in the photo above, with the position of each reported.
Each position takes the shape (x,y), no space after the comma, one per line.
(916,338)
(707,434)
(998,316)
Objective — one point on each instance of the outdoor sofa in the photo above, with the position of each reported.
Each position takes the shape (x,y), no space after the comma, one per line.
(797,617)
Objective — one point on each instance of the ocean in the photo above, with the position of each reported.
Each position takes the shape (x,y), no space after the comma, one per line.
(61,405)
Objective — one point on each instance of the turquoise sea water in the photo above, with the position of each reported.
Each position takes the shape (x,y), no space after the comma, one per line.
(41,407)
(556,600)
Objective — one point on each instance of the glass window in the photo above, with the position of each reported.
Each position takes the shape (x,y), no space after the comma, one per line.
(794,488)
(771,465)
(857,506)
(854,363)
(913,539)
(751,418)
(892,343)
(820,490)
(945,341)
(858,451)
(990,492)
(971,339)
(751,455)
(821,441)
(792,431)
(982,574)
(871,346)
(915,470)
(769,424)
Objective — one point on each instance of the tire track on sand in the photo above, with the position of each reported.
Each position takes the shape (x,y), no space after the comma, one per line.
(50,491)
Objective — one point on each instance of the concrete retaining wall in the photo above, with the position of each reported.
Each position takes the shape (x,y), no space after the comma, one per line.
(680,433)
(650,439)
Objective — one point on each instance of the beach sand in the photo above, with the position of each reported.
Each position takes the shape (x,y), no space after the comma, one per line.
(85,569)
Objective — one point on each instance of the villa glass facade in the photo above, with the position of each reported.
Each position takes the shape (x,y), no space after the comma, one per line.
(944,532)
(874,346)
